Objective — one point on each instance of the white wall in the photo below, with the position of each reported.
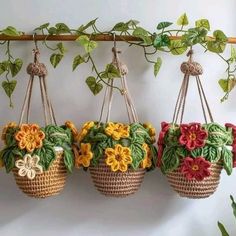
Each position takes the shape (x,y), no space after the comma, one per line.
(80,209)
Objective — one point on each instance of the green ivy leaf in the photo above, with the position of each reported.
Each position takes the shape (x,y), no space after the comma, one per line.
(93,85)
(9,87)
(132,23)
(121,26)
(89,24)
(218,45)
(161,41)
(163,25)
(183,20)
(11,31)
(15,66)
(77,61)
(227,84)
(233,54)
(4,67)
(170,159)
(227,160)
(194,36)
(111,72)
(177,47)
(157,66)
(233,205)
(52,30)
(222,229)
(55,59)
(62,28)
(203,23)
(143,34)
(88,44)
(41,27)
(61,48)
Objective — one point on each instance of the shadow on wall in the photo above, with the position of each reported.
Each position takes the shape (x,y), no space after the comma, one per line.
(80,204)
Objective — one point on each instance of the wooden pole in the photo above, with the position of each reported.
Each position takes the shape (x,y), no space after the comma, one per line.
(99,37)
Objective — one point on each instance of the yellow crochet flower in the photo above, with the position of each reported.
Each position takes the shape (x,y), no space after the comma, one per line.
(5,129)
(83,156)
(117,131)
(86,127)
(151,129)
(147,161)
(30,137)
(73,129)
(118,158)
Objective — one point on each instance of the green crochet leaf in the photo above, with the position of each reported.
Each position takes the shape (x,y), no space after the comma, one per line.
(69,159)
(137,154)
(227,160)
(8,158)
(47,156)
(170,160)
(182,152)
(97,154)
(213,155)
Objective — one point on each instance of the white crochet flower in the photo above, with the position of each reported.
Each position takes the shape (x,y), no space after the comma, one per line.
(29,166)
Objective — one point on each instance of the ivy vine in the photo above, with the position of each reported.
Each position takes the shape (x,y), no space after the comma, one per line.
(165,39)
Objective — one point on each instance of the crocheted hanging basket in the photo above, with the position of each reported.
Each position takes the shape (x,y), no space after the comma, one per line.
(116,184)
(48,183)
(193,155)
(38,156)
(193,188)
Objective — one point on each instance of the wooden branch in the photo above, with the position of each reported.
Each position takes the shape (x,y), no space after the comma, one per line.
(99,37)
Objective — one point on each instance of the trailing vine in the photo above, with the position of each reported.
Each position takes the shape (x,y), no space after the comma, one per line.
(162,40)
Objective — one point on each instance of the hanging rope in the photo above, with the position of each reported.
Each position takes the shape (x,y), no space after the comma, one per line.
(191,68)
(37,69)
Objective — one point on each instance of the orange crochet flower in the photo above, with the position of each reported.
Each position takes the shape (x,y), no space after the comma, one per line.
(5,129)
(118,158)
(30,137)
(83,156)
(86,127)
(117,131)
(73,129)
(147,161)
(151,129)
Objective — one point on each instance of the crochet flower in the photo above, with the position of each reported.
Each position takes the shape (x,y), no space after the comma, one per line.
(6,128)
(233,127)
(164,129)
(192,136)
(73,129)
(195,168)
(151,129)
(118,158)
(86,127)
(147,161)
(117,130)
(30,137)
(29,166)
(83,156)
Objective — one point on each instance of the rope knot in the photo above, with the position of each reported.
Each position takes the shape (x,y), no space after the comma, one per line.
(119,64)
(36,68)
(192,68)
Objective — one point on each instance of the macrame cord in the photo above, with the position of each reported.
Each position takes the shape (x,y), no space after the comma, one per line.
(37,69)
(191,68)
(108,96)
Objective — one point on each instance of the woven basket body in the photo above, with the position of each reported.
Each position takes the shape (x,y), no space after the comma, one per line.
(47,184)
(193,188)
(116,184)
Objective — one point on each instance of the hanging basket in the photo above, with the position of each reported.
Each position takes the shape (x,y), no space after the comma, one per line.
(192,155)
(39,157)
(49,183)
(116,154)
(116,184)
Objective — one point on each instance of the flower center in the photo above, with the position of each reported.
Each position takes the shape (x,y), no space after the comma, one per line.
(118,157)
(195,167)
(30,138)
(192,136)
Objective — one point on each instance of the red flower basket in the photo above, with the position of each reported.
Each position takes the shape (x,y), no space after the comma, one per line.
(193,155)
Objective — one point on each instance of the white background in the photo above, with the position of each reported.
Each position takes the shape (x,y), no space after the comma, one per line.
(80,210)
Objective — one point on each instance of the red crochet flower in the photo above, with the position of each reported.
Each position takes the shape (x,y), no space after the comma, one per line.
(192,136)
(195,168)
(164,128)
(228,125)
